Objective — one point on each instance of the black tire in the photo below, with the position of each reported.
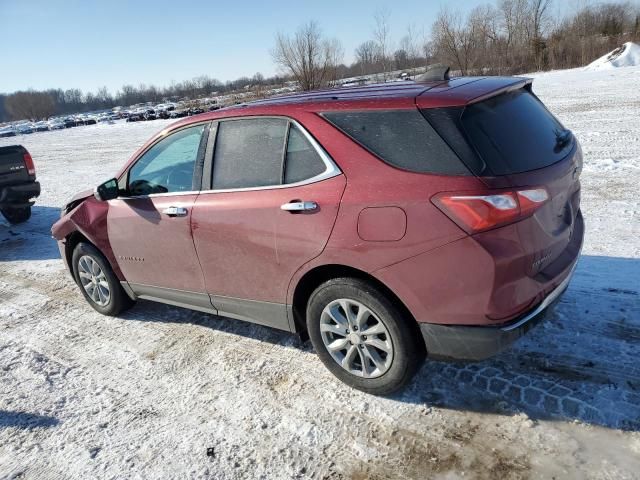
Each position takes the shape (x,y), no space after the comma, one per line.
(408,353)
(118,300)
(16,215)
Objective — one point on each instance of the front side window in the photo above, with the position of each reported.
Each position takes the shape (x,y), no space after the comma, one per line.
(168,165)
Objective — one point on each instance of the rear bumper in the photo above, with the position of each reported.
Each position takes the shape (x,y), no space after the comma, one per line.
(474,343)
(19,195)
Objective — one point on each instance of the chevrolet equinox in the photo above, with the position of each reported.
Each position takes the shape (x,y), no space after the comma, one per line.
(386,223)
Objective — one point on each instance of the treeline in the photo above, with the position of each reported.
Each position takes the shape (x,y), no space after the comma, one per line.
(519,36)
(502,38)
(34,105)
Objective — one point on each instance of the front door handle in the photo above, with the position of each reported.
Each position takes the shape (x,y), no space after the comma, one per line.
(299,206)
(175,212)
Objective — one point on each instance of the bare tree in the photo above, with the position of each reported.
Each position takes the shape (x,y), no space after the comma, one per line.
(308,57)
(366,56)
(408,43)
(454,41)
(381,33)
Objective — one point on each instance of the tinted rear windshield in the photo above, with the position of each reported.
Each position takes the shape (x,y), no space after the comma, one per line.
(514,132)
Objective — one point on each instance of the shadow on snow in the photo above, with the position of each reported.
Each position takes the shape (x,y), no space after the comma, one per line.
(580,364)
(30,240)
(26,421)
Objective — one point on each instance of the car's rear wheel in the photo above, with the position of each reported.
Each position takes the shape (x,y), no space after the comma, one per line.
(97,282)
(361,336)
(16,215)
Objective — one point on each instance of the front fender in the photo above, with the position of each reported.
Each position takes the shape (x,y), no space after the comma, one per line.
(90,220)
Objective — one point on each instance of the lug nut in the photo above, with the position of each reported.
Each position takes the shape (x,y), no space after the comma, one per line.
(364,337)
(355,328)
(347,331)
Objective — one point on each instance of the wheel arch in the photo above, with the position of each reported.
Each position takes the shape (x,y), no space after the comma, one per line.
(76,237)
(72,241)
(320,274)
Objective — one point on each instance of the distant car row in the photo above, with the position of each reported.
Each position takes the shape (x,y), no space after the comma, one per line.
(148,113)
(43,126)
(137,114)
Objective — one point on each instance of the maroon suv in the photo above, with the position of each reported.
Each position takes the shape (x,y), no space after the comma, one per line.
(384,222)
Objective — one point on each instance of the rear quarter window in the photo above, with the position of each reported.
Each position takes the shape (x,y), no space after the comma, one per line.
(402,138)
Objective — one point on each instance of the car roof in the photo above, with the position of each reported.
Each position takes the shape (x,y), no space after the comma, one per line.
(394,95)
(404,89)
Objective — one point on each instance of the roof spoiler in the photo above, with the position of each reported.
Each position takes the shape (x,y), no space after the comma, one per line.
(436,72)
(517,85)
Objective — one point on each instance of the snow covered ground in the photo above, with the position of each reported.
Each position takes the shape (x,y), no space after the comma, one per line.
(145,395)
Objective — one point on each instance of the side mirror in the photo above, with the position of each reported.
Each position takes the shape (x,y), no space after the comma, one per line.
(107,190)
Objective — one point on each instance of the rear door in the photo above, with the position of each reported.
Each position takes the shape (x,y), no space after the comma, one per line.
(273,201)
(149,225)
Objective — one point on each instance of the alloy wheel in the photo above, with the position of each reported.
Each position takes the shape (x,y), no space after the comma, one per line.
(356,338)
(93,280)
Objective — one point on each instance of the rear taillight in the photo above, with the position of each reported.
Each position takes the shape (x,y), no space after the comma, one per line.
(28,162)
(477,213)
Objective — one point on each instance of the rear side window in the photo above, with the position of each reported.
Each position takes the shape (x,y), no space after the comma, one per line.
(514,133)
(402,138)
(302,161)
(249,153)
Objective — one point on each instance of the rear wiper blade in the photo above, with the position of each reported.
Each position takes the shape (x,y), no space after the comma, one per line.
(562,138)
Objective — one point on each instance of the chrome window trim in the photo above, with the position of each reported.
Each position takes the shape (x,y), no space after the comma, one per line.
(154,195)
(331,169)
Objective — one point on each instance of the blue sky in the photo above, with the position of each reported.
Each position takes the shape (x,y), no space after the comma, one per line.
(89,44)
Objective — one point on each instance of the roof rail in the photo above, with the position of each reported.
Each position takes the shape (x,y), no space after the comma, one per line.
(435,72)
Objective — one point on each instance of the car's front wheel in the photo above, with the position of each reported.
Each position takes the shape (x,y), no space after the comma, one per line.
(362,337)
(97,282)
(16,215)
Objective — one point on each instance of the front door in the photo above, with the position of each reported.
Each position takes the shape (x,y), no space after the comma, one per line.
(274,200)
(149,226)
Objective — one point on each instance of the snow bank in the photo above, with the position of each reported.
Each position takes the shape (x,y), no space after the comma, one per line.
(628,55)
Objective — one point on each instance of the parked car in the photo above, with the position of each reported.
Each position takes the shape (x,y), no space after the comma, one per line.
(179,113)
(41,127)
(56,124)
(18,185)
(384,222)
(7,132)
(24,128)
(149,114)
(134,116)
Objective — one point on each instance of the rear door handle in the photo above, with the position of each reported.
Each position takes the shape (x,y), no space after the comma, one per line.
(299,206)
(175,212)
